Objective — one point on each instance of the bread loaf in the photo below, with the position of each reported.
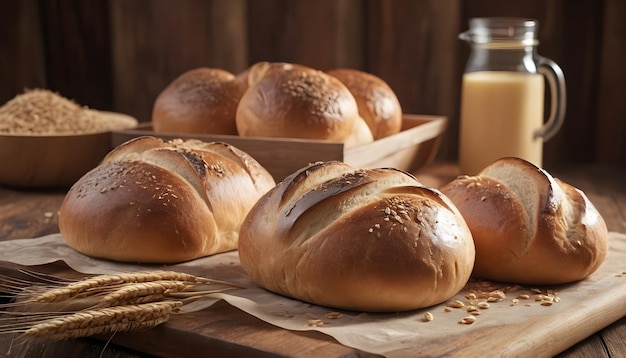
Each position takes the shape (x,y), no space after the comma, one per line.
(162,202)
(202,100)
(253,74)
(295,101)
(529,227)
(367,240)
(376,101)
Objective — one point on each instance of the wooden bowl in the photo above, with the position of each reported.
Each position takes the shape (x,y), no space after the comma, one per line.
(50,161)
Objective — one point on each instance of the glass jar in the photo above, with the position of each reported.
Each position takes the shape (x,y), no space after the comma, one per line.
(502,98)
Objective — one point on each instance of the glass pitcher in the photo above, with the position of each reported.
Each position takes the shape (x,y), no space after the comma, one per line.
(502,99)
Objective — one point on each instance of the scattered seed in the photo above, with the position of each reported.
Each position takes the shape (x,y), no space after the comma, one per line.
(315,323)
(457,304)
(333,315)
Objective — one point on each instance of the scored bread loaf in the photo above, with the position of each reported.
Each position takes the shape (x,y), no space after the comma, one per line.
(377,102)
(295,101)
(529,227)
(152,201)
(202,100)
(367,240)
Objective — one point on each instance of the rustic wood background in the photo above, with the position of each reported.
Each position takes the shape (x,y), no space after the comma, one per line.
(119,54)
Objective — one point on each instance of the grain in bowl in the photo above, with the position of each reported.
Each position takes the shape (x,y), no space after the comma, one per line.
(47,140)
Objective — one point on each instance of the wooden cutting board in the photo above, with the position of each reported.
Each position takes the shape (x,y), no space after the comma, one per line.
(506,328)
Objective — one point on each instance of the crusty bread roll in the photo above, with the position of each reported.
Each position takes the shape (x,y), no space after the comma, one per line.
(251,75)
(361,134)
(295,101)
(366,240)
(162,202)
(377,102)
(529,227)
(202,100)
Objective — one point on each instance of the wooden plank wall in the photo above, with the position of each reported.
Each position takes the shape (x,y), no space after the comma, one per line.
(119,54)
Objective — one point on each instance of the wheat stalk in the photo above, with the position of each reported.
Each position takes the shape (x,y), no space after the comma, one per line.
(100,304)
(104,282)
(106,320)
(142,292)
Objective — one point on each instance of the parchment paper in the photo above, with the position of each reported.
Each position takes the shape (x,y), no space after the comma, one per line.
(387,334)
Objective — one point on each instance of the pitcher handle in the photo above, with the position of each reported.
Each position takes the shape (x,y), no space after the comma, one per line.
(556,82)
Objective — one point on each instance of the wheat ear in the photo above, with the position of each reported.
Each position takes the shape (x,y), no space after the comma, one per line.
(106,320)
(142,292)
(104,282)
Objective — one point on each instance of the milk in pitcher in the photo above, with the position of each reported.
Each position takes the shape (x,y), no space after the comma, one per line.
(502,99)
(500,113)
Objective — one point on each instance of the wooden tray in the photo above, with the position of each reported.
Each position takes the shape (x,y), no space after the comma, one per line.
(416,145)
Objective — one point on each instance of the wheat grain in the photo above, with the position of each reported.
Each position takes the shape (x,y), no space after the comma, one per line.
(468,320)
(41,111)
(106,320)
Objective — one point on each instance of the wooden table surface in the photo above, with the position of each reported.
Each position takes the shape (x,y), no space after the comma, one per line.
(29,214)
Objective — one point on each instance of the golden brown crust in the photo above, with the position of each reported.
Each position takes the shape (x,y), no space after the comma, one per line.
(201,100)
(377,102)
(162,202)
(361,134)
(295,101)
(367,240)
(144,216)
(527,226)
(253,74)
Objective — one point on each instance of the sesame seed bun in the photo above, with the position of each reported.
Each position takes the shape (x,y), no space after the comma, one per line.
(377,102)
(151,201)
(367,240)
(295,101)
(202,100)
